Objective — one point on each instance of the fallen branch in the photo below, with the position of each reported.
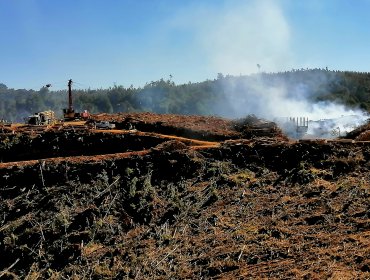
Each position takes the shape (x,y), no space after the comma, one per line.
(2,273)
(166,256)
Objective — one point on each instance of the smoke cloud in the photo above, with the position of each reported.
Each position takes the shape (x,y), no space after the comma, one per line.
(245,37)
(242,34)
(281,99)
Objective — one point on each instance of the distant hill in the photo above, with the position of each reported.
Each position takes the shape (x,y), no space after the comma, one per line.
(211,97)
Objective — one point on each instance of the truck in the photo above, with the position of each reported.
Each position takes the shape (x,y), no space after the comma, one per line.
(42,118)
(105,125)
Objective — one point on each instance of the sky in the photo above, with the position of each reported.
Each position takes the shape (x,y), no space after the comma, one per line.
(102,43)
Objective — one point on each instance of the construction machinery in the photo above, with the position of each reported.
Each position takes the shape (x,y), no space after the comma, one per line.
(42,118)
(69,113)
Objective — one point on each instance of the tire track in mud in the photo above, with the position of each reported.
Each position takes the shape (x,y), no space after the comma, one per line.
(191,143)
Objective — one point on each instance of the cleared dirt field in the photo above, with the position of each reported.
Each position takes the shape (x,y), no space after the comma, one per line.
(182,197)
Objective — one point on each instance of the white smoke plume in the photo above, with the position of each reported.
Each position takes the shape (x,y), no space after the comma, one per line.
(281,100)
(245,37)
(241,34)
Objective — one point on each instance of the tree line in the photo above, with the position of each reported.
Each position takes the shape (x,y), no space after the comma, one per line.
(211,97)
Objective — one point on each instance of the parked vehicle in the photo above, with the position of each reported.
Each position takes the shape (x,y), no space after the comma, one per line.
(105,125)
(42,118)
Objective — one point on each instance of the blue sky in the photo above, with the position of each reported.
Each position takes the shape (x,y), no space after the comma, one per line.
(99,43)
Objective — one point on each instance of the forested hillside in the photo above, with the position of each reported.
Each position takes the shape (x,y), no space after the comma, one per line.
(211,97)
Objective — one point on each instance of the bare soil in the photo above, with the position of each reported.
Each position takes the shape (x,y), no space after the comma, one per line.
(182,197)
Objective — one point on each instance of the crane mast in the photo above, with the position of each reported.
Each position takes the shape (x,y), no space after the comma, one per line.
(69,113)
(70,104)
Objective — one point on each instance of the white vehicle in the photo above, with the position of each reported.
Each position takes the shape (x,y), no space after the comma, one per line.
(105,125)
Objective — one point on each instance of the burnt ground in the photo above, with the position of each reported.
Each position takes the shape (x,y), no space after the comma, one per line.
(142,204)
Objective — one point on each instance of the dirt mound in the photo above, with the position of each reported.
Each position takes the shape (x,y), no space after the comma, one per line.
(197,127)
(253,127)
(364,136)
(169,146)
(361,133)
